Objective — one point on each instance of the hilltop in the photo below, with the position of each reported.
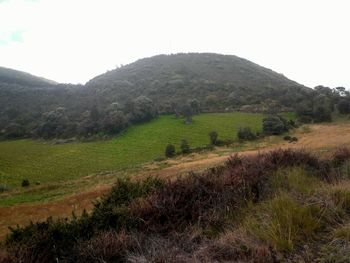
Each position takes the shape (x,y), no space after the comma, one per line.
(217,81)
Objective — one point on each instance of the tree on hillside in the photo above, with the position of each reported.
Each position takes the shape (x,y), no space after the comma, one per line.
(143,109)
(304,112)
(213,137)
(114,122)
(195,105)
(14,130)
(344,106)
(274,125)
(54,123)
(170,151)
(185,147)
(94,113)
(322,114)
(245,133)
(211,101)
(187,112)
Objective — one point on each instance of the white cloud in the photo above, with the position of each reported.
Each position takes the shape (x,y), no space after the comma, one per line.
(74,40)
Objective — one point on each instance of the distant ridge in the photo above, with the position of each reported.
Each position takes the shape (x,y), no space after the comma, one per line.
(11,76)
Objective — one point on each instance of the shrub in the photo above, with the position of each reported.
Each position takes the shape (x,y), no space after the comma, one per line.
(185,147)
(340,156)
(213,136)
(3,188)
(287,138)
(55,240)
(343,106)
(170,151)
(275,125)
(321,114)
(106,247)
(25,183)
(111,211)
(197,199)
(237,245)
(246,133)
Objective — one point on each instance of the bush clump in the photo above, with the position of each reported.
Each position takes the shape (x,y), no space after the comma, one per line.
(185,147)
(213,137)
(275,125)
(246,134)
(25,183)
(170,151)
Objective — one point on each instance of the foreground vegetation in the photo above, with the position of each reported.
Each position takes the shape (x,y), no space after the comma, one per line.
(284,205)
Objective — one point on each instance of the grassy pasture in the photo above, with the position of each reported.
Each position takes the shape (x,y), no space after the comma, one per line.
(48,163)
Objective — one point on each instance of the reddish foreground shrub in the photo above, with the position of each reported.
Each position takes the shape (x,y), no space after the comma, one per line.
(340,156)
(106,247)
(236,246)
(201,199)
(4,257)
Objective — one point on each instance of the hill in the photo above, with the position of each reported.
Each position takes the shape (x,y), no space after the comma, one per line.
(138,92)
(217,81)
(11,76)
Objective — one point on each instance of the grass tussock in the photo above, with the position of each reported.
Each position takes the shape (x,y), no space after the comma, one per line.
(342,233)
(283,222)
(194,218)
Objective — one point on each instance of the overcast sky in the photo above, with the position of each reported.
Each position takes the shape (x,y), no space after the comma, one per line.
(75,40)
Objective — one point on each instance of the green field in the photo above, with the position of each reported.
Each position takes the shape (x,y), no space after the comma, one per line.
(46,162)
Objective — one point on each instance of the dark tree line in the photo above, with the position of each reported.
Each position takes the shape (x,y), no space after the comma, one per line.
(322,102)
(65,112)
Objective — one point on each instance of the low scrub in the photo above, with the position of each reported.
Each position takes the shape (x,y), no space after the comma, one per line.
(135,211)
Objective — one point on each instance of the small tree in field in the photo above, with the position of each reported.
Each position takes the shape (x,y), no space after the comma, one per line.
(25,183)
(170,151)
(185,147)
(213,136)
(246,133)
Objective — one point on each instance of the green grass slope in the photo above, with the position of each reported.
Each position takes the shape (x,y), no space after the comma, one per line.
(48,163)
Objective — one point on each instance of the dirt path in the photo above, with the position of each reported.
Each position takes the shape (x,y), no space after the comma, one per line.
(318,137)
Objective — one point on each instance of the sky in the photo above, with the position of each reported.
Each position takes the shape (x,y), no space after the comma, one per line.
(72,41)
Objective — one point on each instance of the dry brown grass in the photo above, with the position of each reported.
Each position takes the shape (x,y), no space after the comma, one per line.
(236,246)
(23,214)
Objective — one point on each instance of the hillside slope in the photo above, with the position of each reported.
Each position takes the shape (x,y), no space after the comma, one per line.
(216,80)
(11,76)
(138,92)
